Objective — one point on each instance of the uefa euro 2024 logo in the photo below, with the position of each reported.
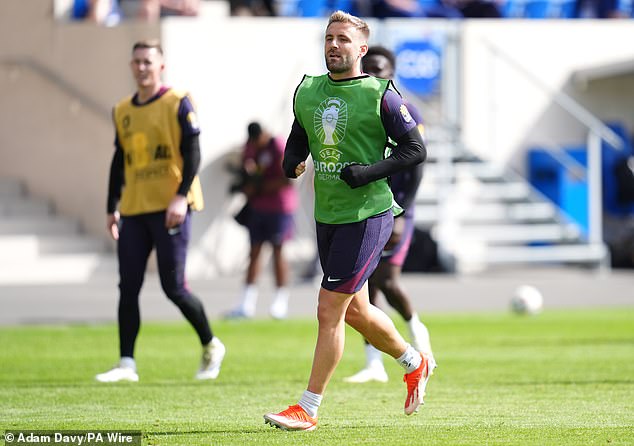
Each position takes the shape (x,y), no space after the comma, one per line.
(330,120)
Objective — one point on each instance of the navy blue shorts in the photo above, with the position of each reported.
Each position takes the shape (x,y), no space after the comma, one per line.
(274,227)
(349,253)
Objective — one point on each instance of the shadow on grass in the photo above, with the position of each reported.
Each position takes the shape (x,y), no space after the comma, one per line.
(203,432)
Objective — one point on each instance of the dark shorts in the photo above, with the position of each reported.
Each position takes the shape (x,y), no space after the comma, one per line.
(396,256)
(349,253)
(274,227)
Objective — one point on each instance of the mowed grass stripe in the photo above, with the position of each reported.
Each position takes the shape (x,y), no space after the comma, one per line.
(563,377)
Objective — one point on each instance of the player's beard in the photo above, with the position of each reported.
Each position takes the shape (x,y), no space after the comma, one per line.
(343,65)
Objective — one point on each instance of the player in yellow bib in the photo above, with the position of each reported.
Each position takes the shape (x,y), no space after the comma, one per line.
(152,190)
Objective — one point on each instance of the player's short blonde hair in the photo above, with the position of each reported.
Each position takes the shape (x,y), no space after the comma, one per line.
(147,44)
(344,17)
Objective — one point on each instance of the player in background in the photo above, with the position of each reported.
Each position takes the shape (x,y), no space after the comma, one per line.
(272,201)
(343,119)
(157,156)
(380,62)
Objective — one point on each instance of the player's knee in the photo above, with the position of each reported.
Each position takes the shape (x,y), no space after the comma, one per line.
(328,314)
(388,286)
(176,294)
(180,299)
(323,313)
(129,290)
(128,303)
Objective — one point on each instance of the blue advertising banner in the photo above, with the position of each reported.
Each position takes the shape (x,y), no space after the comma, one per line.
(418,66)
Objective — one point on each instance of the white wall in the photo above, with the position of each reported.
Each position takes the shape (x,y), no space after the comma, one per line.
(241,70)
(238,71)
(504,112)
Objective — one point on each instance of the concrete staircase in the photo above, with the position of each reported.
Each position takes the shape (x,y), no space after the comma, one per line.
(482,216)
(37,246)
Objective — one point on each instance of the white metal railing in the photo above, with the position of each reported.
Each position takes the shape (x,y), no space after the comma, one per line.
(597,132)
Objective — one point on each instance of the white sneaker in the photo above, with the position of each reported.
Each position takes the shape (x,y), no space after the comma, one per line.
(211,360)
(279,309)
(369,373)
(117,374)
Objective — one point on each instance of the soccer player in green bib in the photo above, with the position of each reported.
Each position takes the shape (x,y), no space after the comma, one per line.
(343,120)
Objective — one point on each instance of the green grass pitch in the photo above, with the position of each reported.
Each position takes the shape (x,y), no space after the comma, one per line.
(560,378)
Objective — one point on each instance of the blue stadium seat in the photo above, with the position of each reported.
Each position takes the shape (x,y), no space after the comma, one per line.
(312,8)
(556,182)
(566,9)
(321,8)
(287,8)
(513,9)
(344,5)
(609,157)
(436,9)
(80,11)
(426,4)
(626,7)
(537,9)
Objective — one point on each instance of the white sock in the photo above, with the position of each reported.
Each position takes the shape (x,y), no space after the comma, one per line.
(215,342)
(410,360)
(281,296)
(414,321)
(127,362)
(419,335)
(249,298)
(310,402)
(373,356)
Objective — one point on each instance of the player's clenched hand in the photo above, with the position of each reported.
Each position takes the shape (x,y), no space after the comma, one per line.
(300,169)
(176,211)
(112,224)
(354,175)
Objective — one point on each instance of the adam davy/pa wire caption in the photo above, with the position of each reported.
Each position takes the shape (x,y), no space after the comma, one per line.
(73,438)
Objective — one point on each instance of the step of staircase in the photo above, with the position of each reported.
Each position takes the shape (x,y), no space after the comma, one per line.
(29,208)
(435,172)
(473,258)
(38,246)
(493,234)
(483,216)
(10,188)
(428,214)
(50,225)
(32,246)
(514,191)
(56,269)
